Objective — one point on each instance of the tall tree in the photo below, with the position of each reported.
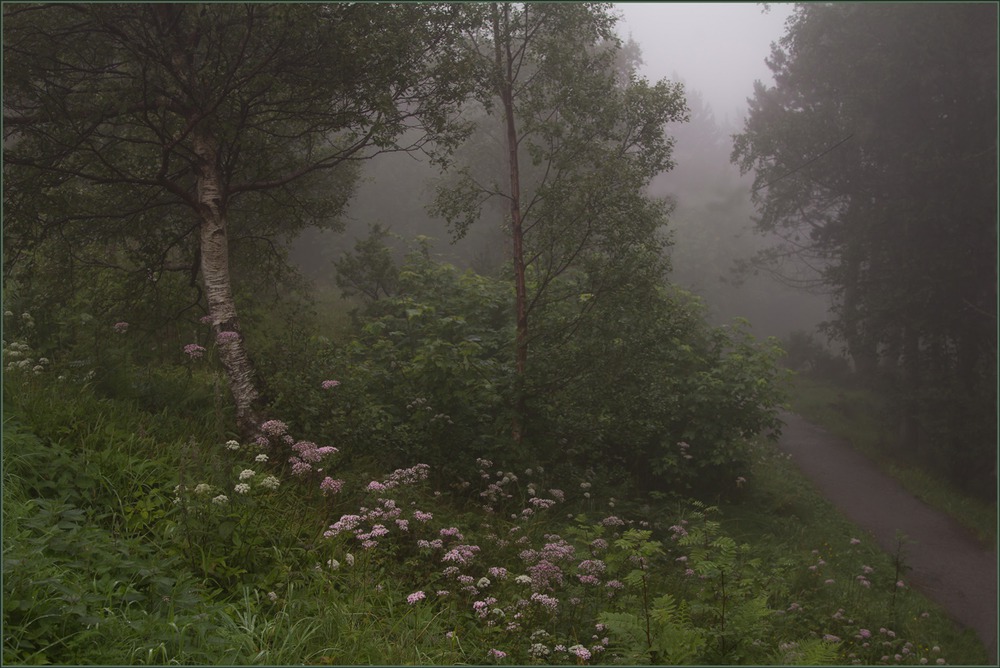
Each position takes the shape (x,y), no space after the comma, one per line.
(123,116)
(875,152)
(582,135)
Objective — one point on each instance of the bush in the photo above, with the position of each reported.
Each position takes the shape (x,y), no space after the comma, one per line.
(424,379)
(648,388)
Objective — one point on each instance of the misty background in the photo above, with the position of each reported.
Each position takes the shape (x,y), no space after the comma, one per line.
(717,51)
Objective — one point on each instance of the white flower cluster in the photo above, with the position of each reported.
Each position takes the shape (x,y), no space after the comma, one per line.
(19,357)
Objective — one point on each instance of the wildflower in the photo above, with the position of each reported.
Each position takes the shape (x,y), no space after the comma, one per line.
(261,458)
(330,485)
(329,384)
(523,579)
(829,581)
(241,488)
(273,596)
(867,570)
(496,654)
(900,584)
(463,554)
(539,650)
(232,445)
(193,350)
(549,602)
(333,564)
(205,320)
(121,327)
(416,596)
(598,545)
(498,572)
(349,558)
(421,516)
(829,637)
(246,474)
(614,584)
(613,521)
(376,486)
(483,583)
(865,633)
(940,662)
(855,541)
(220,500)
(202,488)
(274,428)
(269,482)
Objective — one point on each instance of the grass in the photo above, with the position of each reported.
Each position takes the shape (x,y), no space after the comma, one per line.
(856,416)
(101,566)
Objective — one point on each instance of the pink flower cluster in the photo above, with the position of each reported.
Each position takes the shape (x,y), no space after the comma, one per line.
(329,384)
(194,351)
(462,554)
(121,327)
(307,454)
(331,486)
(385,510)
(549,602)
(274,428)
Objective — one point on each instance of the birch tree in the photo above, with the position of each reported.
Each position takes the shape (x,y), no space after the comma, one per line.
(200,118)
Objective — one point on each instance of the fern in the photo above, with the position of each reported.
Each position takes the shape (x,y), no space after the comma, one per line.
(813,652)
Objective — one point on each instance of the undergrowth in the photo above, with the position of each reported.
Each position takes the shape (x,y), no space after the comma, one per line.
(109,557)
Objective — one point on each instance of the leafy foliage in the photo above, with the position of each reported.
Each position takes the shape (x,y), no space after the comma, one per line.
(895,208)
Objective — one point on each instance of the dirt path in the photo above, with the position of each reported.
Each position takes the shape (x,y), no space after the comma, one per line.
(948,564)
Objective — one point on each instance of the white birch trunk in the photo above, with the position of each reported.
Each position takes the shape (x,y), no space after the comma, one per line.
(218,287)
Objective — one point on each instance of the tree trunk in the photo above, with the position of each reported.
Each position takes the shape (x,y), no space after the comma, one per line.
(218,287)
(505,90)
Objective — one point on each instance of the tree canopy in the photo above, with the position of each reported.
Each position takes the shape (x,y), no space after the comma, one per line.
(875,159)
(166,129)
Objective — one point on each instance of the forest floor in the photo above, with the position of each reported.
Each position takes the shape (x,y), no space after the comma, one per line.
(943,560)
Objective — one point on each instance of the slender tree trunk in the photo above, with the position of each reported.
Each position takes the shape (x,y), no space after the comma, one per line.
(505,89)
(218,287)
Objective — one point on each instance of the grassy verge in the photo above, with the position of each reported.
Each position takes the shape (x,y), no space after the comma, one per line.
(102,565)
(855,415)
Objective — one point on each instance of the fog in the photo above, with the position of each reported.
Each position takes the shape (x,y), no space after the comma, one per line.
(717,51)
(717,48)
